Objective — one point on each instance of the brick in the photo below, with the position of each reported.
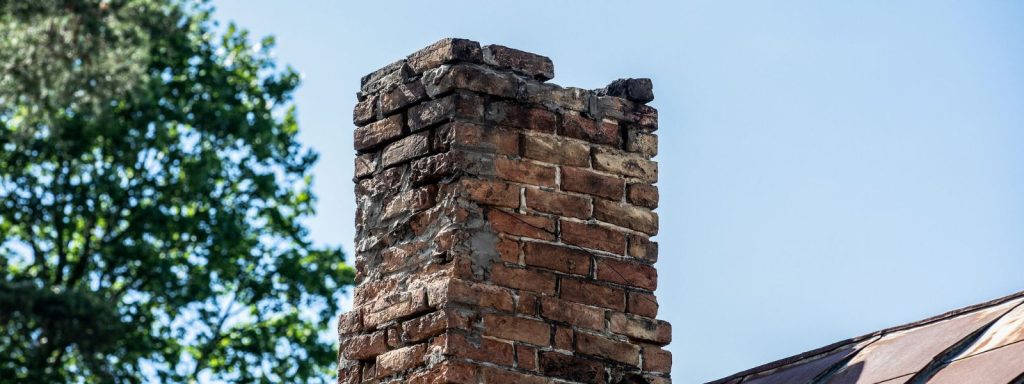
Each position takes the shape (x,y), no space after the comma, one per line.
(525,279)
(627,216)
(657,359)
(642,328)
(491,192)
(432,324)
(366,165)
(446,372)
(480,295)
(601,346)
(555,97)
(572,368)
(445,51)
(642,116)
(365,111)
(526,63)
(400,257)
(592,294)
(625,164)
(454,107)
(350,322)
(364,347)
(643,304)
(377,133)
(407,148)
(557,258)
(528,304)
(384,78)
(563,338)
(448,78)
(517,329)
(491,375)
(516,115)
(403,305)
(628,273)
(592,183)
(644,195)
(399,360)
(433,168)
(643,143)
(516,224)
(573,313)
(478,137)
(642,248)
(401,96)
(508,249)
(638,90)
(526,172)
(593,236)
(410,202)
(558,203)
(581,127)
(480,348)
(526,357)
(555,150)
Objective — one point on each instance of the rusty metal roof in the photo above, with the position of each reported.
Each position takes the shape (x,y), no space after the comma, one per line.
(981,344)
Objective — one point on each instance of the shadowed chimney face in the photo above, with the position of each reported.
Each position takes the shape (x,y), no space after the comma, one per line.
(503,225)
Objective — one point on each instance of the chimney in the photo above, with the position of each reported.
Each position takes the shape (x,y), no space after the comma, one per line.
(503,225)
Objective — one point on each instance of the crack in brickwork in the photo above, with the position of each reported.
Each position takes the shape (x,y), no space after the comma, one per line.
(503,225)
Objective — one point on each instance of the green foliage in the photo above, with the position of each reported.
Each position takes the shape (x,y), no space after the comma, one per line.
(152,193)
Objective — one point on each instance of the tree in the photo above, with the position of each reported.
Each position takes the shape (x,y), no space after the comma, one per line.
(152,197)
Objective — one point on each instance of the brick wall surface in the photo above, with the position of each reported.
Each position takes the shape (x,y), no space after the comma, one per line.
(503,225)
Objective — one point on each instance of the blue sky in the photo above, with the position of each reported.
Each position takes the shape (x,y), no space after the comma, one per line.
(827,168)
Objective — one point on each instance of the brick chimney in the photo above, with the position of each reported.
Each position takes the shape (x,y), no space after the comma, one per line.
(503,225)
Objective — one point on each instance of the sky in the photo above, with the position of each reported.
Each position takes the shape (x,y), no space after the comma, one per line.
(827,168)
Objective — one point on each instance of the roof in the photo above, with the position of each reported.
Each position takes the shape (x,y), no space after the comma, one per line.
(983,343)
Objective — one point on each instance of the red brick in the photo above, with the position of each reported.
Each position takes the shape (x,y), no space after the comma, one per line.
(433,324)
(625,164)
(511,114)
(643,248)
(644,195)
(563,338)
(558,258)
(592,294)
(491,192)
(393,307)
(407,148)
(350,322)
(643,304)
(365,111)
(526,172)
(446,372)
(593,236)
(642,328)
(445,51)
(572,368)
(626,216)
(509,250)
(480,295)
(447,78)
(633,274)
(558,203)
(526,357)
(586,181)
(517,329)
(477,137)
(364,347)
(457,106)
(491,375)
(644,143)
(582,127)
(377,133)
(399,360)
(516,224)
(555,150)
(601,346)
(657,359)
(410,202)
(573,313)
(528,304)
(481,348)
(526,63)
(366,165)
(525,279)
(401,96)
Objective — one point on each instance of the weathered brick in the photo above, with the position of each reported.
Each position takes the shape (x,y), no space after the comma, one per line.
(516,224)
(410,202)
(601,346)
(366,165)
(399,360)
(480,138)
(517,329)
(365,111)
(454,107)
(626,164)
(646,144)
(563,337)
(593,236)
(638,90)
(592,294)
(401,96)
(394,307)
(377,133)
(573,313)
(586,181)
(626,215)
(633,274)
(477,348)
(643,304)
(555,97)
(480,295)
(447,372)
(350,322)
(572,368)
(657,359)
(524,171)
(555,150)
(508,249)
(526,357)
(642,328)
(595,131)
(526,63)
(528,303)
(407,148)
(447,78)
(558,203)
(491,192)
(643,248)
(365,346)
(445,51)
(558,258)
(491,375)
(384,78)
(512,114)
(644,195)
(433,324)
(525,279)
